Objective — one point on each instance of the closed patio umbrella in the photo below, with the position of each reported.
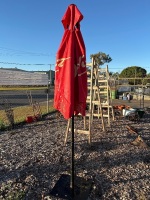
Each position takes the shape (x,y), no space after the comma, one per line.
(70,71)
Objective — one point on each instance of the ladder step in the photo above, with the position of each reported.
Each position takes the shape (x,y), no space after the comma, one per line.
(96,102)
(103,86)
(102,81)
(89,64)
(105,115)
(97,115)
(102,92)
(106,106)
(102,70)
(80,131)
(95,87)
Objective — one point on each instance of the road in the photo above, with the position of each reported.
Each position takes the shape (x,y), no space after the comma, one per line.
(20,98)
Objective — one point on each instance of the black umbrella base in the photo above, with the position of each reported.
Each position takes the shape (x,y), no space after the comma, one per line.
(63,190)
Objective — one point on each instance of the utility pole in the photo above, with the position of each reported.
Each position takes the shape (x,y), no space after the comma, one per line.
(47,97)
(134,78)
(50,75)
(49,86)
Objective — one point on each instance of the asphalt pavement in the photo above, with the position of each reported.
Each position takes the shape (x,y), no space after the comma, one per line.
(22,98)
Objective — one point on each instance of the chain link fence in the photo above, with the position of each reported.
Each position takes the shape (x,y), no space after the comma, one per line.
(24,105)
(24,95)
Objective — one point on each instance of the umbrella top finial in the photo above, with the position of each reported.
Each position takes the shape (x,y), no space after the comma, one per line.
(72,17)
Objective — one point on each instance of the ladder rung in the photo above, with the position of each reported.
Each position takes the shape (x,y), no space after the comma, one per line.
(95,87)
(89,64)
(80,131)
(96,114)
(101,76)
(102,81)
(105,115)
(96,102)
(88,114)
(103,70)
(103,92)
(103,86)
(106,106)
(89,80)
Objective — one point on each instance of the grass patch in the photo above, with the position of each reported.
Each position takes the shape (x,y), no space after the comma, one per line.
(20,114)
(21,88)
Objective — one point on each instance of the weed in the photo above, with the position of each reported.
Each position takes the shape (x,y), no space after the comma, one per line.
(2,125)
(7,193)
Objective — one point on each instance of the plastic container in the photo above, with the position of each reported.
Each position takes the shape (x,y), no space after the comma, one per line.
(127,112)
(125,98)
(113,94)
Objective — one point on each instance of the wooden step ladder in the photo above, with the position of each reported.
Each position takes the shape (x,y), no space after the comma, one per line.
(105,94)
(93,98)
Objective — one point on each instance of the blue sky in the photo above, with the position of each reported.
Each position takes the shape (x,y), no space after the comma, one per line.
(31,31)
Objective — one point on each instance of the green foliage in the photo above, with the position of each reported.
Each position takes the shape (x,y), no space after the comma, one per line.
(7,193)
(114,75)
(2,125)
(133,72)
(101,58)
(147,80)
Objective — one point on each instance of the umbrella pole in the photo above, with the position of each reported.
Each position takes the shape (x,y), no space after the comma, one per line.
(72,159)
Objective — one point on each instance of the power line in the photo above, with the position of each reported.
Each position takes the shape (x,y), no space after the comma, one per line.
(124,68)
(42,64)
(22,63)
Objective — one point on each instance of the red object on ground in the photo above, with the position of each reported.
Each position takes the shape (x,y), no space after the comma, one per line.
(29,119)
(70,71)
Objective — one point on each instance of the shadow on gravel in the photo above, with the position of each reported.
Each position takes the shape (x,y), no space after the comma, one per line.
(37,176)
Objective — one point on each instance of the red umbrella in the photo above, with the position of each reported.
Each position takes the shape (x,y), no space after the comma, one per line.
(70,72)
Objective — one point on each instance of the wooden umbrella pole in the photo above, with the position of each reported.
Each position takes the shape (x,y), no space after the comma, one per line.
(72,159)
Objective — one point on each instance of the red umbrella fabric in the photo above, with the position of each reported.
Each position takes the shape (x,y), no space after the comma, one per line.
(70,70)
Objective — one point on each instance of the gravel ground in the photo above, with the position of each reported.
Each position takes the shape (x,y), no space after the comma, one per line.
(33,157)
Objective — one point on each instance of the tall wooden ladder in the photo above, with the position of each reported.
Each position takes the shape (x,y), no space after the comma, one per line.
(84,130)
(93,98)
(105,94)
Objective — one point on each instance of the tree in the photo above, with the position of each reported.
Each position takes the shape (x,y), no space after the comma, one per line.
(147,80)
(101,58)
(133,72)
(114,75)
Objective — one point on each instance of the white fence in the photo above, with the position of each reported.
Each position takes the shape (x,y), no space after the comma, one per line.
(12,77)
